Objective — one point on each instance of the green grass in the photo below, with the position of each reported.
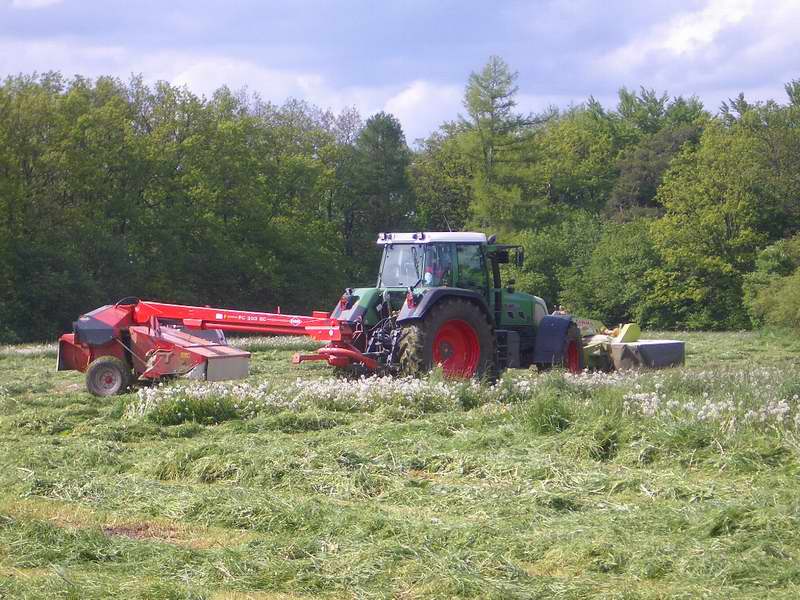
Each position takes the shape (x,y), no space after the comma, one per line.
(543,487)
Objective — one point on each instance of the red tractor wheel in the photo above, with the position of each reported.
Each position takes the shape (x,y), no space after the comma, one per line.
(456,348)
(455,334)
(107,376)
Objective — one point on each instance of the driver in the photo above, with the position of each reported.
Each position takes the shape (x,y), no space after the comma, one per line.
(438,266)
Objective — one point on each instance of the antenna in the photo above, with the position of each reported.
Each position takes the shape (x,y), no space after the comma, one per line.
(446,222)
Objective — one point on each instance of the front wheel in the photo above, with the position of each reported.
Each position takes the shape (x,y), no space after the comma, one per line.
(107,376)
(455,334)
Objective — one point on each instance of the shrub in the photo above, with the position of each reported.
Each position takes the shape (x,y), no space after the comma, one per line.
(778,302)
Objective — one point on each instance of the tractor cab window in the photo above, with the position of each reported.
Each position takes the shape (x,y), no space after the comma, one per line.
(471,268)
(402,265)
(407,265)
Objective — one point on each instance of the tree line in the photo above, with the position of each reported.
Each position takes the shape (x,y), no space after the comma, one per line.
(656,210)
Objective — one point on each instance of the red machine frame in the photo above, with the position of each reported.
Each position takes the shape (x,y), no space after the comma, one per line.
(157,339)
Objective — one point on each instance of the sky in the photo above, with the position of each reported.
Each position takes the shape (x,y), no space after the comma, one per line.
(412,58)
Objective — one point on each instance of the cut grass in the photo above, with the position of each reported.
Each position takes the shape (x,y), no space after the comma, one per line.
(558,491)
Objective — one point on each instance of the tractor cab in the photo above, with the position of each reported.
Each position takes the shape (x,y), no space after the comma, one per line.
(467,261)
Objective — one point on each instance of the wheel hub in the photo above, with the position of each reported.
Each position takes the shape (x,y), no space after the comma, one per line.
(108,379)
(457,349)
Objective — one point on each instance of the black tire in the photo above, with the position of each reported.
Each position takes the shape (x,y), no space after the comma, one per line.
(417,338)
(107,376)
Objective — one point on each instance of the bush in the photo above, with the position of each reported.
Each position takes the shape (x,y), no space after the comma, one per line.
(772,291)
(778,303)
(613,285)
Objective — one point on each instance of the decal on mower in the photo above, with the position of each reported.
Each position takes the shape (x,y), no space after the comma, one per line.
(295,321)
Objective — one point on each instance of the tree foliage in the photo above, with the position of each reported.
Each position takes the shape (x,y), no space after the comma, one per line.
(653,209)
(112,189)
(772,290)
(611,283)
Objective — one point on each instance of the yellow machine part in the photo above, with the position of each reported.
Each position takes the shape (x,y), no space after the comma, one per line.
(630,332)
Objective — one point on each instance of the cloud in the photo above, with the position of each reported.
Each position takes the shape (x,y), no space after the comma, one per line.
(684,35)
(422,106)
(33,4)
(204,74)
(335,58)
(67,55)
(717,51)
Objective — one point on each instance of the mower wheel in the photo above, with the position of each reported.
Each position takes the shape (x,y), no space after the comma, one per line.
(107,376)
(455,334)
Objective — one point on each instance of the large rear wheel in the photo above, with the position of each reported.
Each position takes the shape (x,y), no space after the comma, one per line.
(455,334)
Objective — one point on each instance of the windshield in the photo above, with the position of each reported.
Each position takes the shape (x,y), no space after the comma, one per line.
(401,265)
(406,265)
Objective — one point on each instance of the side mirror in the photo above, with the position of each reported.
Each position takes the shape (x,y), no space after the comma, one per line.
(519,259)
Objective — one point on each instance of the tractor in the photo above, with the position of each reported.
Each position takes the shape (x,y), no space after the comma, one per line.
(438,302)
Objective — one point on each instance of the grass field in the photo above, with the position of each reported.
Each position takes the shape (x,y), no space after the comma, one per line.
(674,484)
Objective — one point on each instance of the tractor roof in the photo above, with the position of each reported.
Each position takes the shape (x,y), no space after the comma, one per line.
(429,237)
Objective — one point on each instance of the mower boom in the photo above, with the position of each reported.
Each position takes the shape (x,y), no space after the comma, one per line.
(153,340)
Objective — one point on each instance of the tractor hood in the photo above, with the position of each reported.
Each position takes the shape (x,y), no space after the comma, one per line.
(358,304)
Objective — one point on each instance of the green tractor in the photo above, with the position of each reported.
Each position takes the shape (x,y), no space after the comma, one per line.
(439,301)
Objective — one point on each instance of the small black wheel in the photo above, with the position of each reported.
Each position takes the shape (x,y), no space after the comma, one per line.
(107,376)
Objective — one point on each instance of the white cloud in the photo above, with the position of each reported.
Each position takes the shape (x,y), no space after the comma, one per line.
(683,36)
(692,32)
(726,47)
(715,51)
(204,74)
(26,56)
(422,106)
(33,4)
